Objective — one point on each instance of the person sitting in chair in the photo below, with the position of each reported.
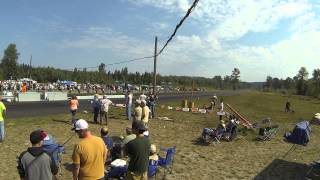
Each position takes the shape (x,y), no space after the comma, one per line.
(106,138)
(221,127)
(153,153)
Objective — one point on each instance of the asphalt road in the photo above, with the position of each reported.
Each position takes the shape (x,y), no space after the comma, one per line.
(32,109)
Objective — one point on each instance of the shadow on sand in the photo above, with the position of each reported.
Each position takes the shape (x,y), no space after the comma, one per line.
(62,121)
(281,169)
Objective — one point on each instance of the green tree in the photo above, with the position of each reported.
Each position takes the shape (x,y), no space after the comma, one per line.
(288,83)
(315,83)
(302,78)
(9,62)
(269,82)
(235,78)
(102,68)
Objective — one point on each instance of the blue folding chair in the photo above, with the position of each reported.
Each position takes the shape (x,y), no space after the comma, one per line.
(167,162)
(153,168)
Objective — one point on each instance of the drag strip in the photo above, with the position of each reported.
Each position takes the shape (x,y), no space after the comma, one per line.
(33,109)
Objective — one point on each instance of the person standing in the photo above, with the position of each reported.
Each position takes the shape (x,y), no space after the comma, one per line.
(89,155)
(145,112)
(221,109)
(152,104)
(104,108)
(138,152)
(287,107)
(35,163)
(142,97)
(129,98)
(138,111)
(2,115)
(96,108)
(73,104)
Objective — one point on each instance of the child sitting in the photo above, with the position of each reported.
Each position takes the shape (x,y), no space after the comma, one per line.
(107,139)
(153,153)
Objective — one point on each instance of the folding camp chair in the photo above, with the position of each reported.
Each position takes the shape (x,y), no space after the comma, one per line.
(117,173)
(167,162)
(153,168)
(212,135)
(267,134)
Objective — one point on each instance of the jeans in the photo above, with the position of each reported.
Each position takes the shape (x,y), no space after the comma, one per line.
(128,111)
(96,112)
(73,115)
(153,110)
(1,131)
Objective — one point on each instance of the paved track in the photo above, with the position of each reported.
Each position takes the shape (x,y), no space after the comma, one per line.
(32,109)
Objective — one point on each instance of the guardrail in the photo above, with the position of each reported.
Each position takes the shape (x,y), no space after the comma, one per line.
(108,96)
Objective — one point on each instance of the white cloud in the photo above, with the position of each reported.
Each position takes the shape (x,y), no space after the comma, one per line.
(105,38)
(212,54)
(231,19)
(255,16)
(306,22)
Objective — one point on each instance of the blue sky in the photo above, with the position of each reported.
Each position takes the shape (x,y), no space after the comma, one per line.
(260,37)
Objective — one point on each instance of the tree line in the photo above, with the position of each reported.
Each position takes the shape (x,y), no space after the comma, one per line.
(11,69)
(300,84)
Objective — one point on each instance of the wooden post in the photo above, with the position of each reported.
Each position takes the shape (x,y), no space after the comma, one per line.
(155,66)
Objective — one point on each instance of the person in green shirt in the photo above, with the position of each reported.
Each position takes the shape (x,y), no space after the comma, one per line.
(2,114)
(138,151)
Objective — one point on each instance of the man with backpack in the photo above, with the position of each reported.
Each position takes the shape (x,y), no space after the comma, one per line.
(35,163)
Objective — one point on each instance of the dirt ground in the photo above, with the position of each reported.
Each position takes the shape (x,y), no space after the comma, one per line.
(244,158)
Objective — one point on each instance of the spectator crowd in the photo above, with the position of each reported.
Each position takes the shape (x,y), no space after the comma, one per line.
(93,157)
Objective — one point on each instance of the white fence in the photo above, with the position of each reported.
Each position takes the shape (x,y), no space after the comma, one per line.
(29,97)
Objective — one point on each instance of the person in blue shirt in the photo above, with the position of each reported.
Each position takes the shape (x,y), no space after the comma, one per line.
(96,108)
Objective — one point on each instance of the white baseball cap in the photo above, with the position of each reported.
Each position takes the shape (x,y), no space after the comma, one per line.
(81,124)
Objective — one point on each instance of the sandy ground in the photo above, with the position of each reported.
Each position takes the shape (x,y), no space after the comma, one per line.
(243,158)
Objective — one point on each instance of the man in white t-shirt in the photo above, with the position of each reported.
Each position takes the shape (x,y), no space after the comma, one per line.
(104,108)
(129,98)
(143,97)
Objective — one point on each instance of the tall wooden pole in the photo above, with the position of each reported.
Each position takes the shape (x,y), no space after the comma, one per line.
(30,66)
(155,65)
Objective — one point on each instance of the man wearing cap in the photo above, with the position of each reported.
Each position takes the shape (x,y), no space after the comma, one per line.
(145,112)
(104,108)
(89,155)
(35,163)
(2,114)
(138,151)
(138,111)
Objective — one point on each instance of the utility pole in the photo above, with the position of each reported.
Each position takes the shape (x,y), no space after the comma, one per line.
(30,66)
(155,66)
